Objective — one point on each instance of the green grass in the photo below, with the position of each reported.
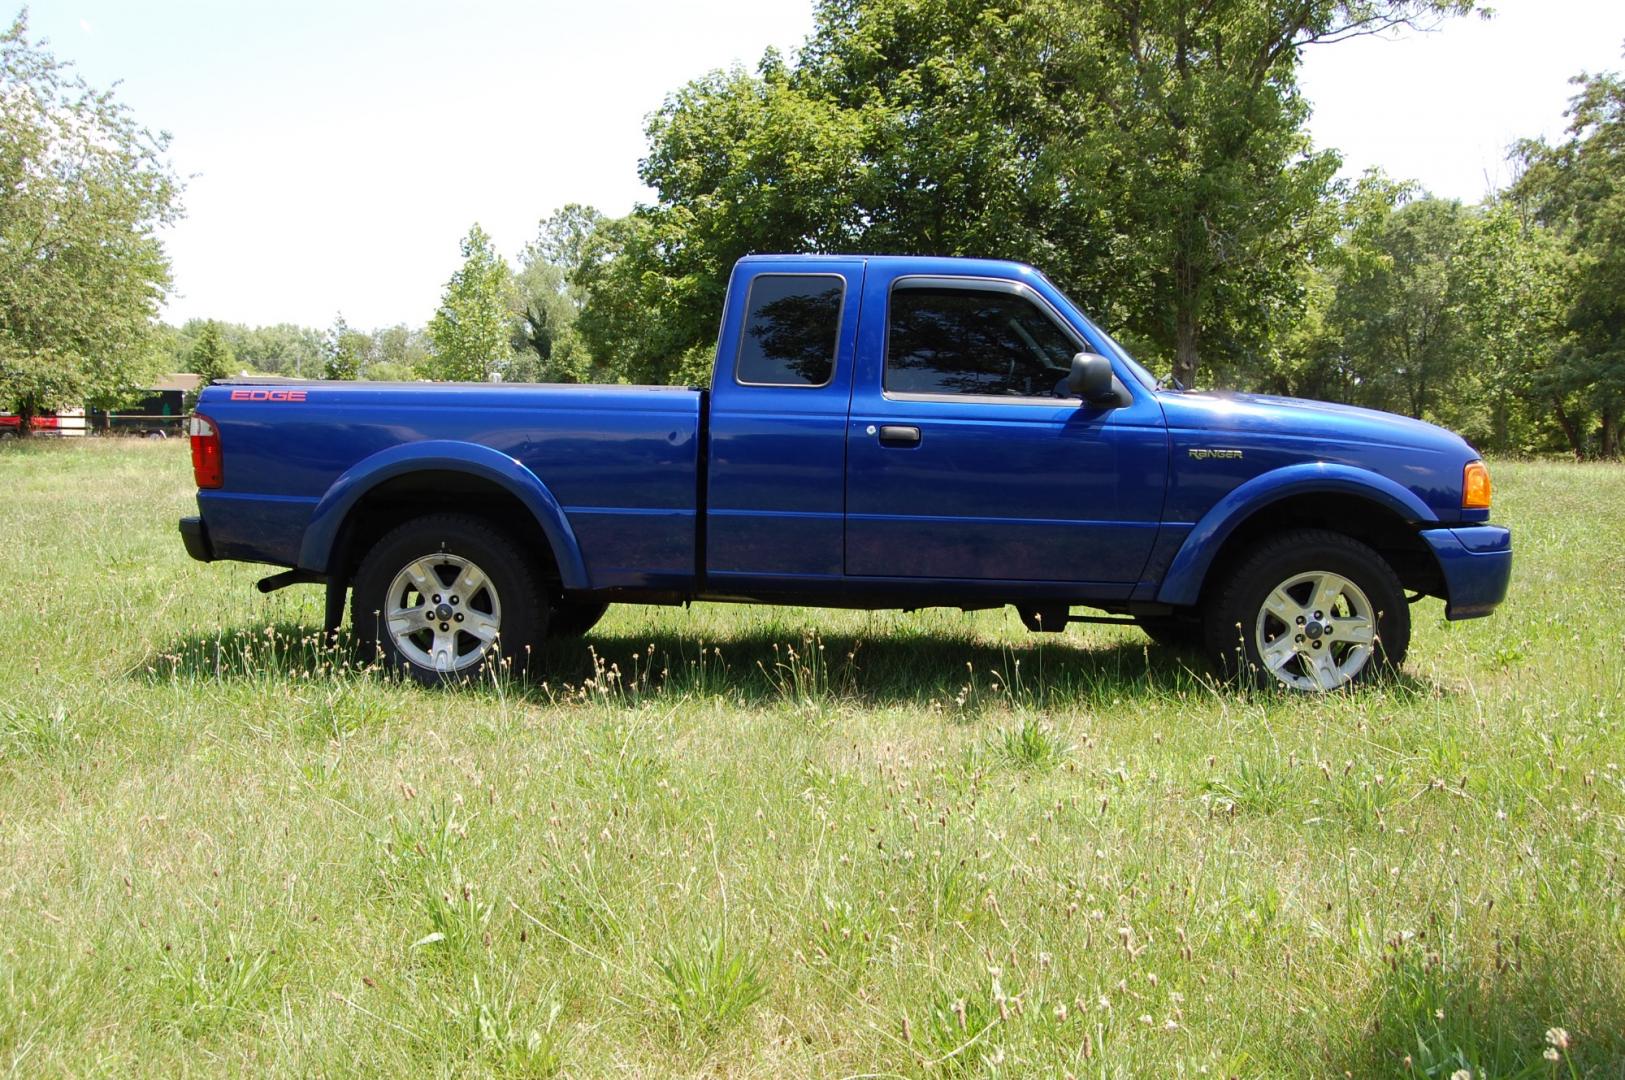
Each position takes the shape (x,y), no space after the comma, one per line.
(783,842)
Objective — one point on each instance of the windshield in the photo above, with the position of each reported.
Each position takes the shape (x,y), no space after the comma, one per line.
(1148,380)
(1151,381)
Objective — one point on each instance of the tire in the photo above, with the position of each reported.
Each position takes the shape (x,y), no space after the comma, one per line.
(572,618)
(484,589)
(1308,610)
(1180,633)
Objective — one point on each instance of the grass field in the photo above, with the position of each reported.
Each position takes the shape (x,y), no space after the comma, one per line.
(779,842)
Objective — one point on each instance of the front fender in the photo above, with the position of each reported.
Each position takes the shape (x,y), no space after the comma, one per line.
(442,455)
(1183,583)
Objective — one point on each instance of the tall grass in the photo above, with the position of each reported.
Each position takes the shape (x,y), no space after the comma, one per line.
(762,841)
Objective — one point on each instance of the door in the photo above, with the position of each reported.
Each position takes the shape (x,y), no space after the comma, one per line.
(967,460)
(777,454)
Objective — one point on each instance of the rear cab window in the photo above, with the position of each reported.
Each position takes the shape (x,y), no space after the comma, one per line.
(792,326)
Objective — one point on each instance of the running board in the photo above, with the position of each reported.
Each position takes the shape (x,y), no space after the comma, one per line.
(1053,619)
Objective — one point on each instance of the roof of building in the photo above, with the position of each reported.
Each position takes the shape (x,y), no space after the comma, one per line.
(179,380)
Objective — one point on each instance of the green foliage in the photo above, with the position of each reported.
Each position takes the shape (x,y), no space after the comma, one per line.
(1032,745)
(709,987)
(342,351)
(548,346)
(1578,189)
(471,331)
(283,349)
(1397,305)
(83,189)
(1425,307)
(345,352)
(1151,157)
(210,356)
(1514,290)
(398,353)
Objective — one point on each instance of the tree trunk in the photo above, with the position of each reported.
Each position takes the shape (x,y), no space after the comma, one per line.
(1186,357)
(1576,443)
(1609,435)
(25,419)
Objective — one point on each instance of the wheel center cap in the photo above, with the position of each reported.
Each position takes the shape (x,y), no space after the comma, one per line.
(1313,629)
(443,611)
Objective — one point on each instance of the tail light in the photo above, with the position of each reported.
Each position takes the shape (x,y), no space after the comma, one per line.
(1475,486)
(206,466)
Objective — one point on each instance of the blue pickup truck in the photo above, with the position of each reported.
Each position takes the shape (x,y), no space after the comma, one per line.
(880,432)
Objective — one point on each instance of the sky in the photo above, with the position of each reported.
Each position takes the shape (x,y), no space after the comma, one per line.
(335,151)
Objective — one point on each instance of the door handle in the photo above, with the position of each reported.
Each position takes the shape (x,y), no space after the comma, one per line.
(899,435)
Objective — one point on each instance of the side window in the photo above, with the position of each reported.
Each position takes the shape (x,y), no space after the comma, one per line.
(791,326)
(973,341)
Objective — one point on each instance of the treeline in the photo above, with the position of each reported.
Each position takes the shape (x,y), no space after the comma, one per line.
(493,322)
(217,349)
(1152,159)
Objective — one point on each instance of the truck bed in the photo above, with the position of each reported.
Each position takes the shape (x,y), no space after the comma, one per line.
(622,461)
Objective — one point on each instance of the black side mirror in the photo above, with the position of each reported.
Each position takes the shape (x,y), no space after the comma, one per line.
(1091,379)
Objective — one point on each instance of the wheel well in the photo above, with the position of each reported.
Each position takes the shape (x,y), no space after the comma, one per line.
(1364,520)
(402,498)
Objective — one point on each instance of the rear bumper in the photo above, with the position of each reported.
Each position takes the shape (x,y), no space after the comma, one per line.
(1476,562)
(195,535)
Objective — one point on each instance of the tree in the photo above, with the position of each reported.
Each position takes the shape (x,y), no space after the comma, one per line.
(564,237)
(83,189)
(1514,284)
(211,357)
(471,330)
(400,352)
(345,352)
(1398,304)
(1578,189)
(283,349)
(545,338)
(1151,155)
(740,163)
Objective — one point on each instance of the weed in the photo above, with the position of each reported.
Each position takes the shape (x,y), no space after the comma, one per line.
(36,731)
(209,985)
(709,987)
(1031,746)
(1259,785)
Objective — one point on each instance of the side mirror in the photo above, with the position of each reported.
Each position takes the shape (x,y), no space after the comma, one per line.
(1091,379)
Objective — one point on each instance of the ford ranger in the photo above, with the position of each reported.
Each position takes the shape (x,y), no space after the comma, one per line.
(879,432)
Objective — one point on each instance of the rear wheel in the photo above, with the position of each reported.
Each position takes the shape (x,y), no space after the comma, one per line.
(445,597)
(1309,610)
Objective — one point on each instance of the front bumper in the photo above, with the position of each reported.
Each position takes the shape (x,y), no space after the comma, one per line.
(195,535)
(1476,562)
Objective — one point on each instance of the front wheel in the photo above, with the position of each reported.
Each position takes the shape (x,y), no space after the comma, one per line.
(445,597)
(1309,610)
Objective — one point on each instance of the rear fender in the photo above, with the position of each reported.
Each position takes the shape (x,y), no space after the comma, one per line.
(442,455)
(1183,583)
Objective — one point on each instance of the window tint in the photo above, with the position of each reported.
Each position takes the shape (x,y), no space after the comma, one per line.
(790,330)
(971,341)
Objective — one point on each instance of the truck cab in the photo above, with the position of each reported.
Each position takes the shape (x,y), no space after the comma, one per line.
(894,429)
